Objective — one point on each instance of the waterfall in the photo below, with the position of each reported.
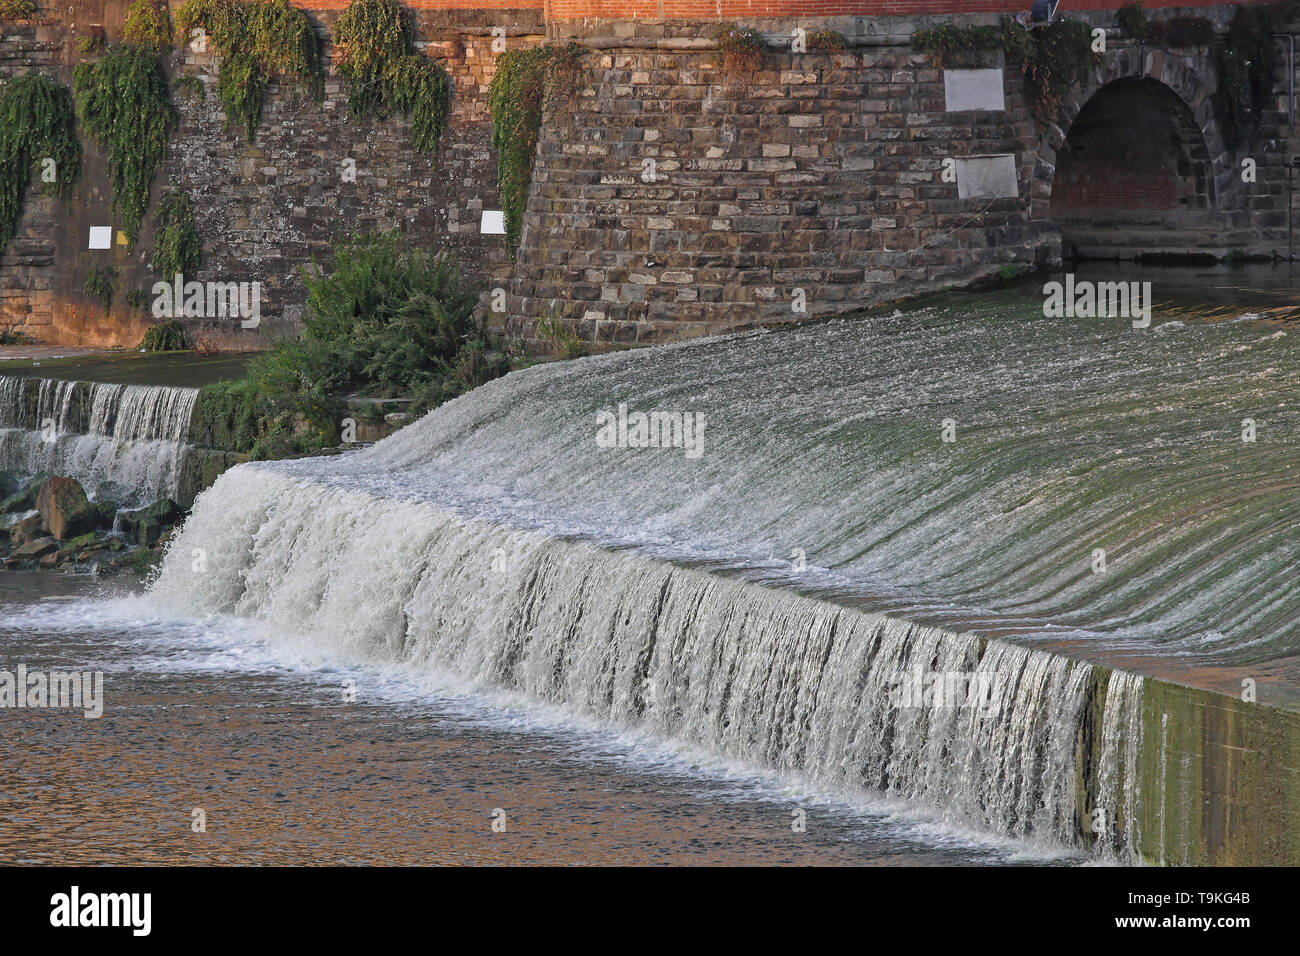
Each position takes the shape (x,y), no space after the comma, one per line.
(872,510)
(756,674)
(122,442)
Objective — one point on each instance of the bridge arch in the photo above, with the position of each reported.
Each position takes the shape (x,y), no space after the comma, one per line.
(1151,109)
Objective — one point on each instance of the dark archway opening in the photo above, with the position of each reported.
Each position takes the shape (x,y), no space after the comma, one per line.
(1134,164)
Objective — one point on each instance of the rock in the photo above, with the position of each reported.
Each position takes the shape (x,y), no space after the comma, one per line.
(39,548)
(147,524)
(29,529)
(80,541)
(10,483)
(65,510)
(24,499)
(107,513)
(52,560)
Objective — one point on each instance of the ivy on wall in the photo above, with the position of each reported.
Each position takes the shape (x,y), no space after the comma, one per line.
(38,136)
(123,102)
(177,248)
(148,26)
(1052,58)
(257,41)
(374,45)
(520,87)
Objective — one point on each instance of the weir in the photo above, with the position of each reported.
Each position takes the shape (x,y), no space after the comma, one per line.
(498,541)
(123,442)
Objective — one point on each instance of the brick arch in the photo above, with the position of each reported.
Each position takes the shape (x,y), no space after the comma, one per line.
(1184,75)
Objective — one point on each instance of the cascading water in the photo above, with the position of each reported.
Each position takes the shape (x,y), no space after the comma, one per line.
(1099,487)
(124,442)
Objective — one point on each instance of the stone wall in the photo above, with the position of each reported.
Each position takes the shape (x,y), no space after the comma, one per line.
(672,197)
(264,210)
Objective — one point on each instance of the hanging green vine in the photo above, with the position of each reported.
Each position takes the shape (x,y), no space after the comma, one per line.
(257,41)
(374,45)
(100,285)
(522,82)
(148,25)
(1247,61)
(123,102)
(38,135)
(1053,58)
(952,43)
(176,239)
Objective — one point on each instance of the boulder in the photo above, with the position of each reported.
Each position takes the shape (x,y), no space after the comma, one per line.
(29,529)
(24,499)
(65,510)
(34,550)
(147,524)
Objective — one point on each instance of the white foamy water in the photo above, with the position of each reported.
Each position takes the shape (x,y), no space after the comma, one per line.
(124,442)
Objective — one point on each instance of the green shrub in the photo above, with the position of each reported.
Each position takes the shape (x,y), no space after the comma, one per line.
(564,341)
(166,337)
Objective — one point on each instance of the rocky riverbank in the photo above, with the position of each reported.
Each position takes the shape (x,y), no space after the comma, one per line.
(48,522)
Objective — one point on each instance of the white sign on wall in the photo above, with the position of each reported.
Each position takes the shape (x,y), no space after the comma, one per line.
(101,237)
(494,223)
(973,90)
(987,177)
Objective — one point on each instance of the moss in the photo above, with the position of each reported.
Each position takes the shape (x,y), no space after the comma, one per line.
(17,9)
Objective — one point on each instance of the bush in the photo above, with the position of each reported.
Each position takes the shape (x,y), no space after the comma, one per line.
(389,319)
(17,9)
(1180,31)
(167,337)
(148,25)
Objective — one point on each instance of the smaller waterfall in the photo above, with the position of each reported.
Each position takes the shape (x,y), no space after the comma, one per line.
(122,442)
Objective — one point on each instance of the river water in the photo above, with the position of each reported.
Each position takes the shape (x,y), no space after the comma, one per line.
(692,653)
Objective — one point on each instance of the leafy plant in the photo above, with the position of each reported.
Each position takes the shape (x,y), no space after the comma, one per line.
(190,85)
(100,284)
(374,43)
(123,102)
(1052,58)
(14,337)
(137,298)
(17,9)
(950,43)
(256,41)
(166,337)
(1246,60)
(827,41)
(37,123)
(521,86)
(1132,20)
(148,25)
(177,248)
(91,44)
(742,48)
(565,342)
